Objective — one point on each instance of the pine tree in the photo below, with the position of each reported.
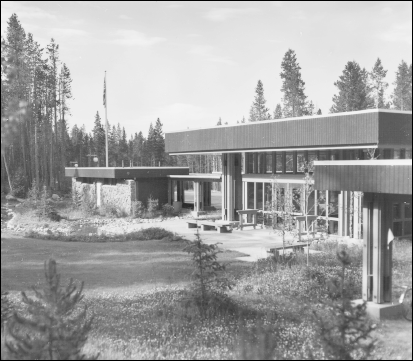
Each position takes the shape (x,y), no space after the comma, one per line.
(65,91)
(219,121)
(258,110)
(55,328)
(378,85)
(278,114)
(99,139)
(294,99)
(149,146)
(159,143)
(402,94)
(354,91)
(319,111)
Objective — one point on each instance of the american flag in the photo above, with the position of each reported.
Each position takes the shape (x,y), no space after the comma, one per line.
(104,92)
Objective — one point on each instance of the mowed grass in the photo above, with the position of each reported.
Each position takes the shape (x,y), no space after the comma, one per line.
(142,264)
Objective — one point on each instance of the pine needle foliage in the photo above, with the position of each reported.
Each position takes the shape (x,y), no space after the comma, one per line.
(345,331)
(6,308)
(54,327)
(209,282)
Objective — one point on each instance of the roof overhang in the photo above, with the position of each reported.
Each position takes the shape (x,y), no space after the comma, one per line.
(125,173)
(198,177)
(391,176)
(362,129)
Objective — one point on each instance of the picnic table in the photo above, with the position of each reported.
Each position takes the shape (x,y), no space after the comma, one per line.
(247,212)
(295,247)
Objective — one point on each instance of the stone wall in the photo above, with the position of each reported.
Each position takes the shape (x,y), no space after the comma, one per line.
(120,195)
(86,191)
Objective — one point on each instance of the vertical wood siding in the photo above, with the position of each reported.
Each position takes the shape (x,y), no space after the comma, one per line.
(393,179)
(347,129)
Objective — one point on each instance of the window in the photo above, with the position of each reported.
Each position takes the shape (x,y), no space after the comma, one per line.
(279,162)
(268,196)
(387,154)
(321,203)
(300,162)
(312,156)
(310,203)
(323,155)
(408,154)
(250,195)
(289,162)
(296,200)
(396,154)
(402,219)
(268,163)
(333,204)
(280,194)
(259,196)
(250,165)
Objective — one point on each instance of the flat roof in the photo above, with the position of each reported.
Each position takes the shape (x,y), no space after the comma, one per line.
(360,129)
(199,177)
(125,172)
(392,176)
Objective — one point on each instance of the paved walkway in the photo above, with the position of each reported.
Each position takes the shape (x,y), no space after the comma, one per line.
(253,243)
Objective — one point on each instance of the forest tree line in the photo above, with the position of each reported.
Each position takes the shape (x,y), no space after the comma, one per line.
(37,144)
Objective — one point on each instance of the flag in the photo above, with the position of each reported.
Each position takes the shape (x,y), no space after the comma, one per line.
(104,92)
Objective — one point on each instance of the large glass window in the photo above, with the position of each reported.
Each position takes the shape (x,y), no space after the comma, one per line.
(289,162)
(397,154)
(323,155)
(333,204)
(279,162)
(311,203)
(300,162)
(268,162)
(261,163)
(407,210)
(250,195)
(387,154)
(268,196)
(408,154)
(259,196)
(321,203)
(250,160)
(280,200)
(312,156)
(296,200)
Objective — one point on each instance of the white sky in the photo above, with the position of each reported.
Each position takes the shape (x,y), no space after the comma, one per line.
(190,63)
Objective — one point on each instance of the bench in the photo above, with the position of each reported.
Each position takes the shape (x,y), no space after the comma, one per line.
(221,228)
(192,224)
(247,212)
(232,224)
(296,246)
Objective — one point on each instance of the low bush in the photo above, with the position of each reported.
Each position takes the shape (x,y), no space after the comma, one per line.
(145,234)
(111,210)
(138,209)
(152,206)
(168,210)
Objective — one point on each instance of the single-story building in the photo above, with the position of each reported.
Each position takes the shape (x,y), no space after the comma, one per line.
(121,186)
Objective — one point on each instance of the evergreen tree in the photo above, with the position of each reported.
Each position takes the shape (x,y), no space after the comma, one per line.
(353,90)
(159,143)
(378,85)
(55,329)
(99,140)
(278,114)
(219,121)
(258,110)
(319,111)
(149,146)
(123,148)
(402,94)
(243,120)
(294,99)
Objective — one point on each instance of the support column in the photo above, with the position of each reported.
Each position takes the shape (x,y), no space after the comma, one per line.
(231,185)
(170,191)
(377,251)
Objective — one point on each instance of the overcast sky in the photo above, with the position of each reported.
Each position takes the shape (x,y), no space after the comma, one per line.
(190,63)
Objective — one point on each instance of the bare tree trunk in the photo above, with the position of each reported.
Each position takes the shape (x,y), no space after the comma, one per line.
(7,171)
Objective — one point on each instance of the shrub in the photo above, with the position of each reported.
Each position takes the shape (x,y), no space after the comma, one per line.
(33,195)
(168,210)
(138,209)
(209,285)
(44,209)
(55,328)
(6,308)
(344,328)
(18,181)
(153,205)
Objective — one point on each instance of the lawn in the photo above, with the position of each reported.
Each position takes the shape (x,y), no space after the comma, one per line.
(141,264)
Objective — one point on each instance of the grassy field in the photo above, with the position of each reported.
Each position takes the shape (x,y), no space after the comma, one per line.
(109,266)
(137,291)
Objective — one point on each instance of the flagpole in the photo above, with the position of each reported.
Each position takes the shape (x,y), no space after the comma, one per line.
(106,123)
